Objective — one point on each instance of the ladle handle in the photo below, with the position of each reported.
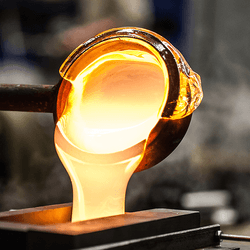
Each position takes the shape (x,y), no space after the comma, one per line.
(32,98)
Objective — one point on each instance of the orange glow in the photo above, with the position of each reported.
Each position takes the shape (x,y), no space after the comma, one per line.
(116,99)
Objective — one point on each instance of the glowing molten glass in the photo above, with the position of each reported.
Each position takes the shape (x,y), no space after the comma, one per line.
(100,138)
(118,92)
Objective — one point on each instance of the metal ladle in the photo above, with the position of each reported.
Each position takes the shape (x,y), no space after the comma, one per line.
(168,132)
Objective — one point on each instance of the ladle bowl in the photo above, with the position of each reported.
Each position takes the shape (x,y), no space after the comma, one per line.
(184,93)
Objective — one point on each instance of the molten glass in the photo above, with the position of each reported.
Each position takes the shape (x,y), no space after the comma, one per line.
(99,183)
(117,93)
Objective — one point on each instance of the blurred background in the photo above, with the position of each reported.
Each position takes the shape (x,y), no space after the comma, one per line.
(210,169)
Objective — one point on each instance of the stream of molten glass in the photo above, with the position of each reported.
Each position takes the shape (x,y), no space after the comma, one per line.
(113,105)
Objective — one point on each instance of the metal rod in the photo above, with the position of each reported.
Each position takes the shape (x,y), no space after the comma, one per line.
(232,237)
(33,98)
(235,237)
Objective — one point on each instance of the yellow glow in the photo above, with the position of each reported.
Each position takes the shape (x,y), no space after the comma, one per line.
(114,103)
